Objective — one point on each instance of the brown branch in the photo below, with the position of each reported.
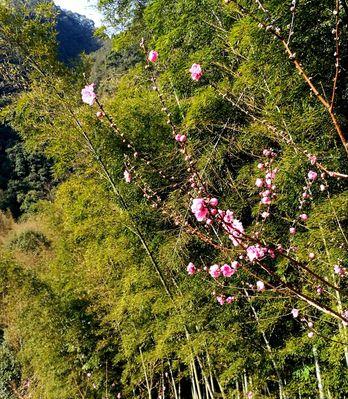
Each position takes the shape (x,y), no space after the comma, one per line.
(301,71)
(280,134)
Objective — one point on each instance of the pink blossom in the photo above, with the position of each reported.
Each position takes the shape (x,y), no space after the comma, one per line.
(221,213)
(119,396)
(312,175)
(311,334)
(266,153)
(322,187)
(310,324)
(183,138)
(196,72)
(230,299)
(255,252)
(261,166)
(292,230)
(250,395)
(88,95)
(341,271)
(345,315)
(271,253)
(153,55)
(127,176)
(311,255)
(295,313)
(214,202)
(259,182)
(227,270)
(191,269)
(313,159)
(220,299)
(304,217)
(236,231)
(180,138)
(214,212)
(215,271)
(100,114)
(265,200)
(337,269)
(199,209)
(228,217)
(271,175)
(264,215)
(320,290)
(260,286)
(235,265)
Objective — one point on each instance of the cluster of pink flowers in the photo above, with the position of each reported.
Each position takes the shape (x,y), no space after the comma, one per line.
(306,194)
(222,299)
(305,199)
(233,226)
(226,270)
(205,209)
(256,252)
(267,183)
(215,271)
(88,95)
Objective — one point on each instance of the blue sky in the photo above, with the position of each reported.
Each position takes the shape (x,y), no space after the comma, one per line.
(84,7)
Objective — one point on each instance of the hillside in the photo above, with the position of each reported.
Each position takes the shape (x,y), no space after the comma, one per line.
(25,177)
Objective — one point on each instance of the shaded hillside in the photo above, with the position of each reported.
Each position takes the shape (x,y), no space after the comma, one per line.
(24,177)
(75,35)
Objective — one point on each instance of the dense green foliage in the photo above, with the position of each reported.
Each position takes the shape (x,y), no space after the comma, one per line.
(87,309)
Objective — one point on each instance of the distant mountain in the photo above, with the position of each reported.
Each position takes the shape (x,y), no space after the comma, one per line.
(75,35)
(75,31)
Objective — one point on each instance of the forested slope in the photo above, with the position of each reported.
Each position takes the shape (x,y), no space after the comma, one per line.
(25,178)
(195,244)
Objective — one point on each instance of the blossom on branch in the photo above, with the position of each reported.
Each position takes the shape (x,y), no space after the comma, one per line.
(255,252)
(196,72)
(127,176)
(153,55)
(199,209)
(88,95)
